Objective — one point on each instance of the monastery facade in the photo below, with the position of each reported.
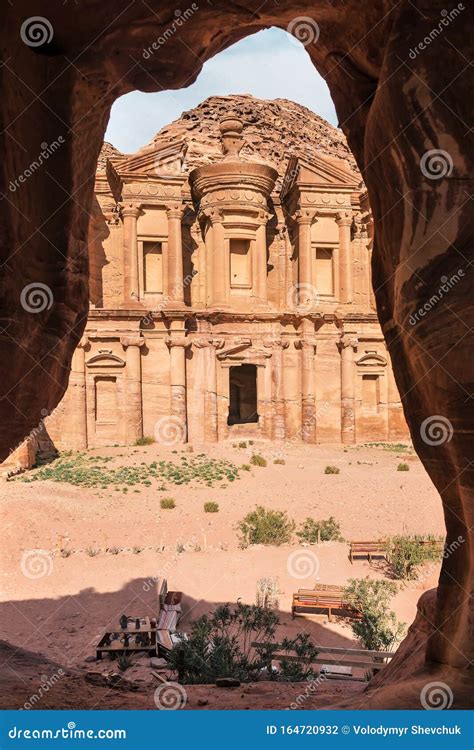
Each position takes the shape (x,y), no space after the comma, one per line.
(225,307)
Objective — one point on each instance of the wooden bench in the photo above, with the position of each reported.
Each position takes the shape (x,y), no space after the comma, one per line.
(367,549)
(379,548)
(345,658)
(318,601)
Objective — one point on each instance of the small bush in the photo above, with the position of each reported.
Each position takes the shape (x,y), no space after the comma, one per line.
(378,627)
(331,470)
(219,645)
(264,526)
(403,467)
(245,467)
(66,552)
(211,507)
(258,460)
(137,550)
(92,551)
(167,503)
(114,550)
(407,553)
(314,532)
(124,662)
(280,461)
(145,440)
(242,444)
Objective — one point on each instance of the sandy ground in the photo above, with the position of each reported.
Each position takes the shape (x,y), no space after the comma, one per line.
(61,607)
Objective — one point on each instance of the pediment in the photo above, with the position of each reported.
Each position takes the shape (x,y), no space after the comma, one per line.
(105,359)
(321,172)
(164,162)
(371,359)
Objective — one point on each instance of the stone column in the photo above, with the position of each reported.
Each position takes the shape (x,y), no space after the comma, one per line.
(261,265)
(178,424)
(347,345)
(133,387)
(278,346)
(216,252)
(369,233)
(130,212)
(306,291)
(210,347)
(78,383)
(175,285)
(308,389)
(344,221)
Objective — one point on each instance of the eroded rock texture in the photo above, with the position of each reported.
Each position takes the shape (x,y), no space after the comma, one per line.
(396,101)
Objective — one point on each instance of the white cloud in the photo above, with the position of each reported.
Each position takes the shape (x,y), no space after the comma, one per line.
(267,65)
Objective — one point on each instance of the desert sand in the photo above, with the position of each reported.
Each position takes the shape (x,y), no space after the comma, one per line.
(60,608)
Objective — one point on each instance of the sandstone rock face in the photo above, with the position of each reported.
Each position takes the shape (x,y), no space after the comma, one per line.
(397,104)
(273,131)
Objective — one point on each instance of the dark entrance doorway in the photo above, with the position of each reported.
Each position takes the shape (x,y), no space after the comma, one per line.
(243,395)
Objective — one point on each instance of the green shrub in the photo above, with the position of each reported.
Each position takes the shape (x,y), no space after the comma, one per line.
(124,662)
(258,460)
(219,645)
(265,526)
(242,444)
(280,461)
(145,440)
(245,467)
(403,467)
(378,628)
(331,470)
(406,554)
(211,507)
(313,532)
(293,671)
(167,503)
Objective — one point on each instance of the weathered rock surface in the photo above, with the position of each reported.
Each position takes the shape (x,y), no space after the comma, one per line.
(274,130)
(395,106)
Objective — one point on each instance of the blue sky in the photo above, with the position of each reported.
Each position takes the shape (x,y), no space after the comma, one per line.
(270,65)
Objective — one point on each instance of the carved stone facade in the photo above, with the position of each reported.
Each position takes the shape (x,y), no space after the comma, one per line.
(223,306)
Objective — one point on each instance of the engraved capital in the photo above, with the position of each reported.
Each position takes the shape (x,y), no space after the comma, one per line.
(132,339)
(130,209)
